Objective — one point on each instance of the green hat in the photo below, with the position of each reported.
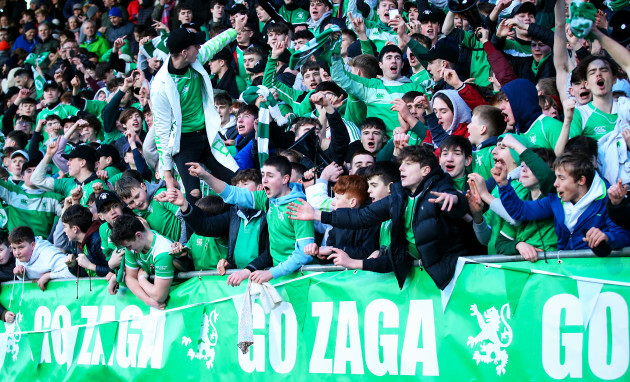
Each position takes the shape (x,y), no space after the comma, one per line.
(523,140)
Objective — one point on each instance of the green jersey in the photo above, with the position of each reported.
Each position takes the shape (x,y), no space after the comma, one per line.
(411,237)
(378,94)
(191,100)
(111,171)
(246,247)
(296,16)
(34,208)
(479,65)
(157,261)
(482,161)
(592,122)
(65,186)
(206,251)
(61,110)
(162,217)
(544,132)
(385,236)
(283,232)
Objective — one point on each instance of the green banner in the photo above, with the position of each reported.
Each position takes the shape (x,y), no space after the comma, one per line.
(519,322)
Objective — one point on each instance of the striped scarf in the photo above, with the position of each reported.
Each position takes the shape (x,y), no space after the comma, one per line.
(268,109)
(321,41)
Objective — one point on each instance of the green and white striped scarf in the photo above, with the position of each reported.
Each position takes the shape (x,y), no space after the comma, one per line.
(321,41)
(266,111)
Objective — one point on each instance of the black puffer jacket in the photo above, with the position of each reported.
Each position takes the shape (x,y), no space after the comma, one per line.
(436,232)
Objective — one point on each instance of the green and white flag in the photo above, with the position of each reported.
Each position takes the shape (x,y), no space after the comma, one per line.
(35,60)
(321,41)
(156,48)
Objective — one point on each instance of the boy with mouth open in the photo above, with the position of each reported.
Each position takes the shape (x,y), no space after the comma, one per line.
(377,93)
(419,229)
(287,237)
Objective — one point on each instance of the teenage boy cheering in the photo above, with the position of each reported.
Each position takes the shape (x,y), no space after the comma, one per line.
(149,255)
(185,118)
(287,238)
(419,229)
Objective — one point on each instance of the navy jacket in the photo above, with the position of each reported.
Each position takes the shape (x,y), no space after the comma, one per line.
(550,206)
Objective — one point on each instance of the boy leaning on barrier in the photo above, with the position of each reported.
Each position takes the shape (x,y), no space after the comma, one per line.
(149,255)
(36,258)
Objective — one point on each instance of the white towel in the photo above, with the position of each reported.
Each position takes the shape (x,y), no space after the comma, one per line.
(269,299)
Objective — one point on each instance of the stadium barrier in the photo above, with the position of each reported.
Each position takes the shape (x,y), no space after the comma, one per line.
(500,319)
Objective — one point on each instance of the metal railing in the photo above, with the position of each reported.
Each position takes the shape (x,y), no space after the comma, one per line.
(542,256)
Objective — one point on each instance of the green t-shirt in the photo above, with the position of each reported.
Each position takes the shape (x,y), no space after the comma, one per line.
(157,262)
(191,100)
(246,247)
(592,122)
(162,217)
(411,237)
(460,183)
(207,251)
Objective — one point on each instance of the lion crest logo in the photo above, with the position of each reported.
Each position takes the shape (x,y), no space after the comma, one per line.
(207,341)
(492,345)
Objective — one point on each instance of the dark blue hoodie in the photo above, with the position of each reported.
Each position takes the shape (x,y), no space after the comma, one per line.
(523,98)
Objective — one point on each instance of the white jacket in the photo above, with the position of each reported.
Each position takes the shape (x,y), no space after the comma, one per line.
(612,151)
(45,258)
(167,113)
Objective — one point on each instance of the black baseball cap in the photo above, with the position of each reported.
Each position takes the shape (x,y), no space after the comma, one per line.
(29,164)
(83,152)
(410,4)
(106,150)
(526,7)
(105,197)
(51,84)
(236,8)
(430,13)
(445,48)
(224,54)
(182,38)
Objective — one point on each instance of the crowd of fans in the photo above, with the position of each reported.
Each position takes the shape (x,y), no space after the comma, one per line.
(144,138)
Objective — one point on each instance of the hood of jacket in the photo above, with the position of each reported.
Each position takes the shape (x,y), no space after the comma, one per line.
(523,98)
(152,188)
(296,192)
(461,111)
(572,212)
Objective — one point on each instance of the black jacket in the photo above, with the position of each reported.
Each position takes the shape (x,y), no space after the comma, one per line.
(437,235)
(620,214)
(228,224)
(357,243)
